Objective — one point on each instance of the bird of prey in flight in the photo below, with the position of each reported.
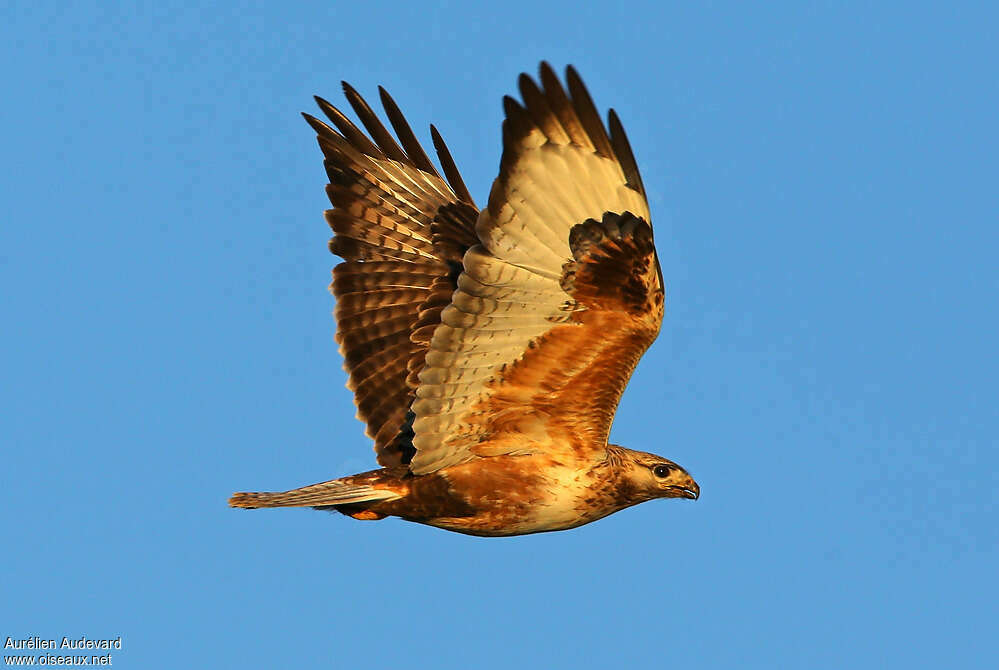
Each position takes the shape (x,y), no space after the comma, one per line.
(488,349)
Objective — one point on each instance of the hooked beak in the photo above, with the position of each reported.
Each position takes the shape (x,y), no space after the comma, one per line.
(689,490)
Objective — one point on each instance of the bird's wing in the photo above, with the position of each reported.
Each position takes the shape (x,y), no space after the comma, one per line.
(402,230)
(558,301)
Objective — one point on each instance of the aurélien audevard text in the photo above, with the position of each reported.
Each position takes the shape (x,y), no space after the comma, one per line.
(67,642)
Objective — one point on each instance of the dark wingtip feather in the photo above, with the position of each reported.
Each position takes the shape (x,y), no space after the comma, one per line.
(524,80)
(519,120)
(587,112)
(375,128)
(560,104)
(625,156)
(353,134)
(330,141)
(510,104)
(540,111)
(317,125)
(328,108)
(405,134)
(331,112)
(450,169)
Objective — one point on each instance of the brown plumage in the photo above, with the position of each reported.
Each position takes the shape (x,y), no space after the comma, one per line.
(488,350)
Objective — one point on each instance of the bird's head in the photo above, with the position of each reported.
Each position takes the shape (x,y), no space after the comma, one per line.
(647,476)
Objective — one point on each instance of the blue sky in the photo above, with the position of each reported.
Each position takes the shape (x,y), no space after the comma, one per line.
(822,179)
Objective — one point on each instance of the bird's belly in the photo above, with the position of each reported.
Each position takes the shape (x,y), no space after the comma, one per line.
(511,521)
(557,500)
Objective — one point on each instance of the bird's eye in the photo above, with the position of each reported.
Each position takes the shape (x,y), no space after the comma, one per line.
(661,471)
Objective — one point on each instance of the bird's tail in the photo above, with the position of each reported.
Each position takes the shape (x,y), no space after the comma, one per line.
(343,491)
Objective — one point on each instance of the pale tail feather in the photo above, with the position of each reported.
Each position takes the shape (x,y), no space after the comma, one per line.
(334,492)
